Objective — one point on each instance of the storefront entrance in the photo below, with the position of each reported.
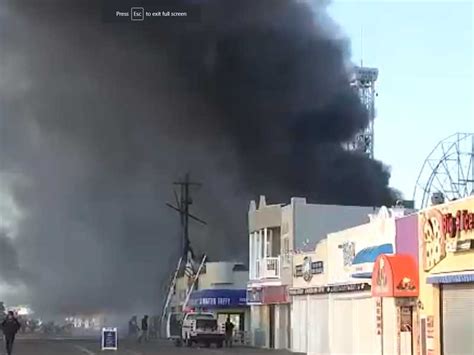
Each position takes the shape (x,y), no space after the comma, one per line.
(272,326)
(457,305)
(238,319)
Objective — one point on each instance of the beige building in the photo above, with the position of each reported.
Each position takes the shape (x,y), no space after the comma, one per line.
(275,233)
(310,302)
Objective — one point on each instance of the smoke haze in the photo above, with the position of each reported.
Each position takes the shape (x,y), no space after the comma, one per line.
(97,121)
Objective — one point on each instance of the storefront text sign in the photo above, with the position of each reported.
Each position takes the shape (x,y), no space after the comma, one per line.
(309,268)
(109,339)
(218,298)
(430,336)
(445,232)
(330,289)
(254,296)
(379,316)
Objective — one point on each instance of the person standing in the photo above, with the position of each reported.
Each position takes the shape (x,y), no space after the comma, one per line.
(144,332)
(133,327)
(229,331)
(10,327)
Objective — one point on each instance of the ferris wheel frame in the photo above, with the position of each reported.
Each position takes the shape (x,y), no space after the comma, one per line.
(435,164)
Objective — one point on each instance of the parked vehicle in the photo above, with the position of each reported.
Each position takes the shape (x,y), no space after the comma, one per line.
(200,328)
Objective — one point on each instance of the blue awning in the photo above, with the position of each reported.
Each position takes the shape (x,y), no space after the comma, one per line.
(369,255)
(362,264)
(219,298)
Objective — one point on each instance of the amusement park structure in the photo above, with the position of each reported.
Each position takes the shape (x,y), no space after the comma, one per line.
(364,83)
(447,173)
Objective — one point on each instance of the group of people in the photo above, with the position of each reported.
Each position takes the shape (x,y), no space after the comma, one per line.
(10,326)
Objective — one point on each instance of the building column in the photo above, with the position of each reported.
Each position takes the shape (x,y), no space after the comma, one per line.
(251,256)
(265,242)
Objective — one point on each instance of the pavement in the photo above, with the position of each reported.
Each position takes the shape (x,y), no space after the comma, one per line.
(72,346)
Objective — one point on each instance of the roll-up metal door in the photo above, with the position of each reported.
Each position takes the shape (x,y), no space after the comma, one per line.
(342,326)
(458,319)
(365,341)
(317,329)
(298,324)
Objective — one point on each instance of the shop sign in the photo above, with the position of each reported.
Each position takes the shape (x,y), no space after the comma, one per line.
(395,276)
(109,339)
(405,319)
(275,295)
(218,298)
(330,289)
(444,233)
(430,336)
(309,268)
(348,254)
(379,316)
(254,296)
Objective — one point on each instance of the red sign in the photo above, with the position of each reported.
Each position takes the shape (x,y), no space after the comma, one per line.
(395,276)
(453,224)
(275,295)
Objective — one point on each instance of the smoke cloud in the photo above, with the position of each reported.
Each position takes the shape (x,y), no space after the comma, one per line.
(99,120)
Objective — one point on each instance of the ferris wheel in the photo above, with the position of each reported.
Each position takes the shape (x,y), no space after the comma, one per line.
(448,172)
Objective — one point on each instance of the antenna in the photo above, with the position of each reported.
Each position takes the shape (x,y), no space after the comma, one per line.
(361,46)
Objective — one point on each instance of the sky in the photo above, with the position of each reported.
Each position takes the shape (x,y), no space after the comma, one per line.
(424,51)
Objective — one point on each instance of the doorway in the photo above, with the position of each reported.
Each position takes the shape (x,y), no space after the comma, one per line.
(238,319)
(272,326)
(406,329)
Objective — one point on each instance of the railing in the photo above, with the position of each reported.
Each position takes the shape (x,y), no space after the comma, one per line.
(268,268)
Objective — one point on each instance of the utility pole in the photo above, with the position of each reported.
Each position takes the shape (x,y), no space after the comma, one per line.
(183,201)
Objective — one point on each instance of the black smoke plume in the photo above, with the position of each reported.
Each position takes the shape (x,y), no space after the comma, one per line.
(99,119)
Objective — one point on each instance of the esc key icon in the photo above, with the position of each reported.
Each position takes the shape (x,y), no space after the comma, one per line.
(137,14)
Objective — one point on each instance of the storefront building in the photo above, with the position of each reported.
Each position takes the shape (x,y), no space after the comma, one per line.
(352,254)
(395,288)
(220,289)
(269,315)
(446,266)
(310,302)
(276,231)
(224,303)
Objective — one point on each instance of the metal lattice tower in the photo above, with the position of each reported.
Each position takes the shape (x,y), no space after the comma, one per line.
(364,82)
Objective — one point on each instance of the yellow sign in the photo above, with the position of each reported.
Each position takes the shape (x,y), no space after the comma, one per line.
(446,229)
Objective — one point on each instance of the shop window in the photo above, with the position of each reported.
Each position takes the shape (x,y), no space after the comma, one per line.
(236,318)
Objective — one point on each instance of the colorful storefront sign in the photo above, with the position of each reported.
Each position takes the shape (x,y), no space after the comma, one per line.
(308,268)
(447,237)
(395,276)
(446,255)
(363,262)
(267,295)
(320,290)
(218,298)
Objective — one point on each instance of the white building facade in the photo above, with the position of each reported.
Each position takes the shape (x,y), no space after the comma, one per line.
(354,326)
(275,233)
(310,301)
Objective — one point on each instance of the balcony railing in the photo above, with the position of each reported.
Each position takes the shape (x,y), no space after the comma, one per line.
(268,268)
